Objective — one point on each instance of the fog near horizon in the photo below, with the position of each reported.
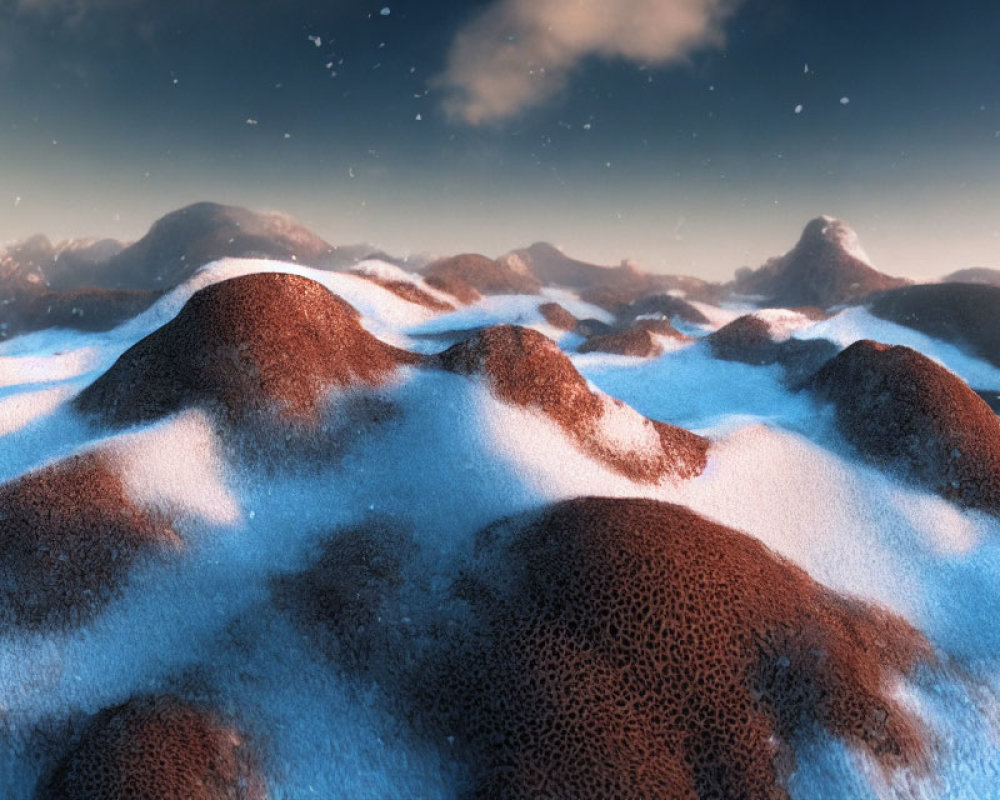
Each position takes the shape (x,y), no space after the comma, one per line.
(691,136)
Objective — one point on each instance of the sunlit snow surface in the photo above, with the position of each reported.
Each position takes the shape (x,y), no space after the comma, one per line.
(449,461)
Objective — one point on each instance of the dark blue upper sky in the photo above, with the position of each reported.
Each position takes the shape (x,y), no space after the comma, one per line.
(613,136)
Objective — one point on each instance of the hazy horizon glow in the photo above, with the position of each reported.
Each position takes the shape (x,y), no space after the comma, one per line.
(117,112)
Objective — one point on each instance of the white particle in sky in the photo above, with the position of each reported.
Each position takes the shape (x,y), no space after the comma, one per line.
(288,136)
(587,126)
(798,108)
(805,69)
(419,117)
(350,172)
(607,163)
(17,201)
(251,121)
(316,40)
(711,88)
(175,81)
(845,100)
(329,65)
(386,11)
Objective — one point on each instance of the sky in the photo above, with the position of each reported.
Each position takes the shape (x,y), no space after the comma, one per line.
(693,136)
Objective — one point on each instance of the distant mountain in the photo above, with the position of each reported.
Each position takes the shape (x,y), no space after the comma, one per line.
(983,275)
(608,287)
(826,267)
(469,275)
(184,240)
(965,314)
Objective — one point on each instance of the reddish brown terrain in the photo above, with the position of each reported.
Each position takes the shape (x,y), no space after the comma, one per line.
(264,346)
(470,275)
(639,339)
(526,369)
(558,317)
(819,271)
(342,599)
(962,313)
(68,536)
(408,291)
(156,748)
(631,648)
(905,412)
(750,340)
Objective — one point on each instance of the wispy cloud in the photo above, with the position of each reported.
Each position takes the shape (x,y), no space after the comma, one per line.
(519,53)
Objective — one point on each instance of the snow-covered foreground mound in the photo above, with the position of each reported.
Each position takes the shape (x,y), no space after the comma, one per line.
(288,543)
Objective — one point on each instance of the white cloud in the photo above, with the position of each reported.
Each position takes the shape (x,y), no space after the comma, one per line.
(519,53)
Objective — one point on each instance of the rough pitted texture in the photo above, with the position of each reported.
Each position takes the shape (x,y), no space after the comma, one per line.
(631,648)
(965,314)
(342,599)
(470,275)
(640,339)
(557,316)
(68,535)
(408,291)
(156,748)
(263,346)
(821,270)
(527,369)
(906,412)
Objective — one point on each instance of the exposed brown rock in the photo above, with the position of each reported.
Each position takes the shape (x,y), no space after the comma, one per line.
(342,600)
(965,314)
(749,340)
(408,291)
(157,748)
(906,412)
(470,275)
(557,316)
(632,648)
(263,346)
(819,271)
(526,369)
(68,536)
(641,339)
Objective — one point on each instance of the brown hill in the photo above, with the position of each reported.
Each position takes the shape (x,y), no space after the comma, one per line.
(410,292)
(266,346)
(156,748)
(526,369)
(965,314)
(558,317)
(68,536)
(750,340)
(905,412)
(343,600)
(470,275)
(640,339)
(825,268)
(631,648)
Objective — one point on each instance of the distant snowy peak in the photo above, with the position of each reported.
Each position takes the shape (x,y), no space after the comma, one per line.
(839,234)
(826,267)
